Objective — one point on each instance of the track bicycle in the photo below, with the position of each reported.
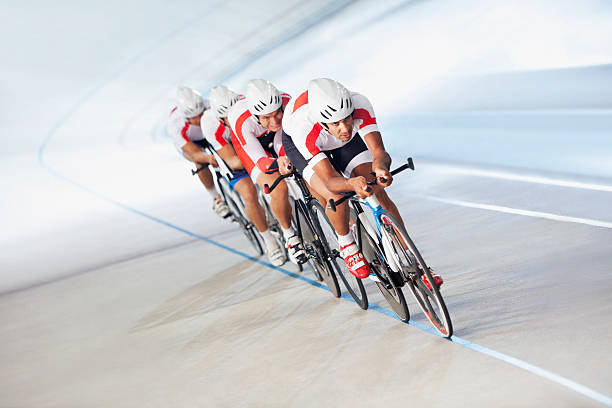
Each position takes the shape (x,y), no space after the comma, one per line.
(222,177)
(394,259)
(314,229)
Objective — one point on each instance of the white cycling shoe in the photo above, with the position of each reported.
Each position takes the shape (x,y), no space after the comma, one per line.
(295,250)
(276,255)
(220,208)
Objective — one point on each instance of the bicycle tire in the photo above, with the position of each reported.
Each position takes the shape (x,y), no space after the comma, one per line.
(294,221)
(317,256)
(389,286)
(327,233)
(413,267)
(239,216)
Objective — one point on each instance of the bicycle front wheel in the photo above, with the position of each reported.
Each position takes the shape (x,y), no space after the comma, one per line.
(413,268)
(236,206)
(353,285)
(389,283)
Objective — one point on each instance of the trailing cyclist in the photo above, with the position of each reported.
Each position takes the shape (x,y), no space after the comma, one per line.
(331,136)
(218,133)
(256,122)
(184,127)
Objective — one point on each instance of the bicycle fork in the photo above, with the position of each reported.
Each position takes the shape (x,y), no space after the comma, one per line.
(377,210)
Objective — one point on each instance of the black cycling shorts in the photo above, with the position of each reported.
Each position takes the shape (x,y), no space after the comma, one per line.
(340,158)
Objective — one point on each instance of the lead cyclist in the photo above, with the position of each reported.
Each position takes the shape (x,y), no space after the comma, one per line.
(331,136)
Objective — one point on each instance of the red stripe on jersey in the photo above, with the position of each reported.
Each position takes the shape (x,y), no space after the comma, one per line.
(242,155)
(311,139)
(300,101)
(219,134)
(365,116)
(281,152)
(184,131)
(239,124)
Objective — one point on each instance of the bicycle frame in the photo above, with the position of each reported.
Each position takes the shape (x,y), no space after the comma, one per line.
(303,198)
(376,233)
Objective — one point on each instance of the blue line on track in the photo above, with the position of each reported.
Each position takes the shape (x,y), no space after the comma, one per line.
(597,396)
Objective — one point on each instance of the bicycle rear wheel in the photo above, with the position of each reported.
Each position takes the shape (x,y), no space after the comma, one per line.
(353,285)
(389,283)
(317,257)
(236,206)
(413,268)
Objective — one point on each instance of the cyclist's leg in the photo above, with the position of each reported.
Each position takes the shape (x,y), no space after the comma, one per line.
(339,218)
(317,186)
(279,198)
(253,208)
(206,178)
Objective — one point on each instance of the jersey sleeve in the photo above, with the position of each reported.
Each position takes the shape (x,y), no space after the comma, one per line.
(364,113)
(309,146)
(250,148)
(215,131)
(175,126)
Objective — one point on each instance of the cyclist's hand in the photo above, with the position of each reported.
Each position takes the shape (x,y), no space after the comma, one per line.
(383,174)
(360,186)
(284,165)
(212,161)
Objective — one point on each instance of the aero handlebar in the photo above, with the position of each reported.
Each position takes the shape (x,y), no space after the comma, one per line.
(333,204)
(194,172)
(268,189)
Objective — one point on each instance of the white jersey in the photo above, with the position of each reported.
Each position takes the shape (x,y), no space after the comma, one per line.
(246,138)
(214,130)
(182,131)
(311,138)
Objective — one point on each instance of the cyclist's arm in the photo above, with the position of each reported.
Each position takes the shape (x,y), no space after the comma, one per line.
(194,153)
(337,183)
(228,154)
(254,150)
(381,162)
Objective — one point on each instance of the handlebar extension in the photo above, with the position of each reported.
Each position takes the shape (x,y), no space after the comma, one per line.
(408,165)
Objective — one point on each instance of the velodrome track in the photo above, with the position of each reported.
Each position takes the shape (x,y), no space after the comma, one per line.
(121,288)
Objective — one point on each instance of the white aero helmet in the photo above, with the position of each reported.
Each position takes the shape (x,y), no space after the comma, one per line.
(221,100)
(262,97)
(328,100)
(189,102)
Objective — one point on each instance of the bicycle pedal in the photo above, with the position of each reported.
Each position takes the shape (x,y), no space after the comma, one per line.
(374,278)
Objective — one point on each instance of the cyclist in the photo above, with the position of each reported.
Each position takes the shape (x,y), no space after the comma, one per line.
(184,127)
(218,133)
(331,136)
(256,122)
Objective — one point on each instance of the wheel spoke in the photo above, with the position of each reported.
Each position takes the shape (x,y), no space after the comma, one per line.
(414,270)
